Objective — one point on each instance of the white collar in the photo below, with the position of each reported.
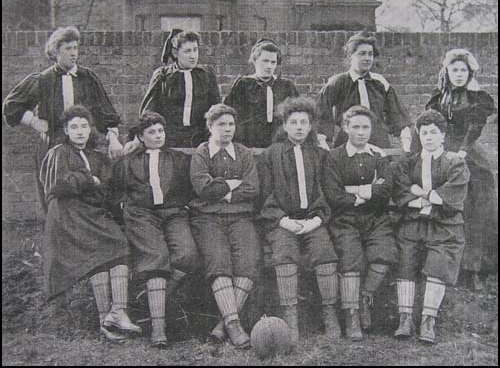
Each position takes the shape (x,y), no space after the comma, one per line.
(435,154)
(72,71)
(351,150)
(355,75)
(152,150)
(213,148)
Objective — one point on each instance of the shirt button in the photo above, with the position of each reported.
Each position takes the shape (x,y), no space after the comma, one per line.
(360,164)
(362,177)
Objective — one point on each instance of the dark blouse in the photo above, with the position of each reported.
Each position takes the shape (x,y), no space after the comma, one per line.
(131,179)
(449,179)
(166,95)
(466,116)
(280,188)
(341,92)
(248,96)
(45,91)
(209,175)
(340,171)
(64,174)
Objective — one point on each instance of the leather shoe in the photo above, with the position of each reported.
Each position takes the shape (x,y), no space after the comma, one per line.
(110,335)
(332,326)
(237,335)
(119,319)
(290,316)
(158,337)
(353,325)
(365,314)
(406,326)
(427,329)
(219,333)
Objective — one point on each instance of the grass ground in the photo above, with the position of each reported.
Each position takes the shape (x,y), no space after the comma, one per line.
(64,331)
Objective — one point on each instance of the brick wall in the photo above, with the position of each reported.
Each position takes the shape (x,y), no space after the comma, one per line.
(125,61)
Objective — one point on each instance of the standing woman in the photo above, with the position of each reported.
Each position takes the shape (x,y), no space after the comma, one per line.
(81,239)
(39,99)
(466,109)
(255,96)
(360,86)
(182,91)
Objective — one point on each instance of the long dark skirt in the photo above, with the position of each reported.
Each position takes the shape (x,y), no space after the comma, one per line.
(480,211)
(78,239)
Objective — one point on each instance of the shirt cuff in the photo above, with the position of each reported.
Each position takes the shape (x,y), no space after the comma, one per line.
(359,201)
(27,118)
(365,191)
(352,189)
(112,131)
(416,203)
(228,197)
(434,198)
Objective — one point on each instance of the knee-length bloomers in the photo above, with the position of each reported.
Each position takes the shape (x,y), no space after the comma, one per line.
(224,229)
(360,232)
(159,233)
(80,235)
(434,240)
(281,198)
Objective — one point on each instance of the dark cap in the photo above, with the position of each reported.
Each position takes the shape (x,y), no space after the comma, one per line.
(167,47)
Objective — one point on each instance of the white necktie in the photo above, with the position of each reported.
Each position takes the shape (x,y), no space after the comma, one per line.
(188,101)
(270,106)
(67,90)
(154,176)
(85,160)
(426,179)
(301,177)
(363,93)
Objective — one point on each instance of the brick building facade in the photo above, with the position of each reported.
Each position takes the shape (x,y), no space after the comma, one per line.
(217,15)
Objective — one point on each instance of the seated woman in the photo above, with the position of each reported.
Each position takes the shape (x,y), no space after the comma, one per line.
(295,212)
(358,185)
(430,188)
(225,179)
(81,239)
(153,186)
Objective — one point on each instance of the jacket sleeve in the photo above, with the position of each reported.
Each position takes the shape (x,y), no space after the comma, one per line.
(213,88)
(59,180)
(105,115)
(149,102)
(206,187)
(334,187)
(249,187)
(327,99)
(396,115)
(235,95)
(382,192)
(476,118)
(271,210)
(454,190)
(402,194)
(24,96)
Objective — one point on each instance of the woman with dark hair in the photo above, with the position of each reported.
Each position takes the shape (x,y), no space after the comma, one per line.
(39,99)
(430,189)
(255,96)
(357,185)
(295,212)
(360,86)
(81,239)
(153,186)
(181,91)
(225,179)
(466,107)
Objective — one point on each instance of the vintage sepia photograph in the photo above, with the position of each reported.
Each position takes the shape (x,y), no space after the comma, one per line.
(250,182)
